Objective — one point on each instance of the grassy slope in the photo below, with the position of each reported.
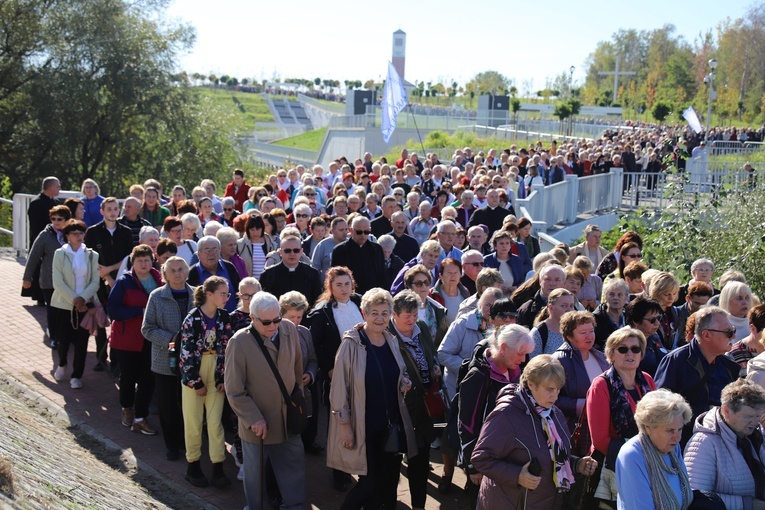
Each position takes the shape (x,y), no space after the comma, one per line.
(310,140)
(250,108)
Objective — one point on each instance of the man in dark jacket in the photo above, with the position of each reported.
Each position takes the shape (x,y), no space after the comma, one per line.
(364,258)
(492,215)
(291,274)
(113,242)
(700,370)
(406,245)
(131,219)
(210,264)
(40,206)
(550,278)
(382,224)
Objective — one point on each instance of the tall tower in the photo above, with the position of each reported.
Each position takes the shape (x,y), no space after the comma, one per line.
(399,52)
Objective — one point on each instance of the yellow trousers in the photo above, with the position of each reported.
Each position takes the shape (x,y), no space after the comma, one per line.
(194,408)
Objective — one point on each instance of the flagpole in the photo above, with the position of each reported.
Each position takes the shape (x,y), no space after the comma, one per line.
(414,119)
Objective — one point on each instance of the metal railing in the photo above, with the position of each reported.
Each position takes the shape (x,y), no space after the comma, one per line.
(594,194)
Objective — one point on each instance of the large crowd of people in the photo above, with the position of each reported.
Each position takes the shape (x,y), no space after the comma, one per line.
(408,305)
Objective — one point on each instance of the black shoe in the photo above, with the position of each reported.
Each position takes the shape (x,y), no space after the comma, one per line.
(445,485)
(219,478)
(53,345)
(98,368)
(195,476)
(314,449)
(172,454)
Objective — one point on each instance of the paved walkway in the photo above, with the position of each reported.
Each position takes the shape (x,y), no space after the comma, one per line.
(25,356)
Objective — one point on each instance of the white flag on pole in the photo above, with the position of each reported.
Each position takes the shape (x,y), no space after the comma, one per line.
(693,120)
(394,100)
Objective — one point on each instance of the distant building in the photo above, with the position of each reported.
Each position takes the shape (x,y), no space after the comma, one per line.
(399,52)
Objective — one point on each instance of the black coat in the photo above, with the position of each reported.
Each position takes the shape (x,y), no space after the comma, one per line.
(367,263)
(406,248)
(39,215)
(396,265)
(380,226)
(492,218)
(326,337)
(530,309)
(278,280)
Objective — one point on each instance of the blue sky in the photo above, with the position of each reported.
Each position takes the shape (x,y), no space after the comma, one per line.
(447,41)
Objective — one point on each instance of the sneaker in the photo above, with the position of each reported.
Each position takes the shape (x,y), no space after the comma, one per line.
(128,417)
(60,373)
(231,448)
(75,383)
(240,475)
(143,427)
(436,444)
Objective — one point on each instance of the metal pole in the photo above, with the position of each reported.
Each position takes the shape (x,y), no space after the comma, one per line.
(709,103)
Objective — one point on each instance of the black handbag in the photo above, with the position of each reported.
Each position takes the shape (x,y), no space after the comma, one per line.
(297,417)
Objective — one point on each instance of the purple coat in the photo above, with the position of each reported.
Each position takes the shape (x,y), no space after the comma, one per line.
(511,436)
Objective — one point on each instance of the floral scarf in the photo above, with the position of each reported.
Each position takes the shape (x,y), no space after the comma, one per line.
(563,476)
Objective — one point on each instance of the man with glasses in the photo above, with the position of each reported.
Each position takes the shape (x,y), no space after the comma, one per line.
(446,232)
(700,370)
(262,425)
(472,263)
(210,264)
(291,274)
(364,258)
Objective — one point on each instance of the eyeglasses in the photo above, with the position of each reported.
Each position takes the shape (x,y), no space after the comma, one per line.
(301,216)
(228,209)
(730,333)
(209,250)
(176,230)
(245,296)
(623,349)
(420,283)
(57,219)
(309,194)
(507,315)
(474,264)
(225,294)
(653,320)
(292,250)
(362,232)
(637,255)
(268,323)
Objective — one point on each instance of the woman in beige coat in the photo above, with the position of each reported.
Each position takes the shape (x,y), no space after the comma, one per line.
(367,404)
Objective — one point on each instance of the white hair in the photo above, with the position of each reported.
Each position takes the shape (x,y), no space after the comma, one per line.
(263,301)
(212,228)
(387,241)
(145,231)
(208,240)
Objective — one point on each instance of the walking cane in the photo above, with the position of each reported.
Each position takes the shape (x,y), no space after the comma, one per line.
(262,474)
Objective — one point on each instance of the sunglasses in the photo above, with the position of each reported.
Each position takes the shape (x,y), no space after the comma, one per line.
(623,349)
(309,194)
(292,250)
(268,323)
(301,216)
(362,232)
(730,333)
(57,219)
(227,209)
(420,283)
(634,256)
(475,264)
(507,315)
(653,320)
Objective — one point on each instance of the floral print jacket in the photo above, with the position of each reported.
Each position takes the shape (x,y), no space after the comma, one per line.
(193,334)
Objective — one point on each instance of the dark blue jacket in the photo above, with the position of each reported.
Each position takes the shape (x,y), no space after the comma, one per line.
(516,266)
(577,380)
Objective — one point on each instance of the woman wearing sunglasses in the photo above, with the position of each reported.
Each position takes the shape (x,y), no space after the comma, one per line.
(611,403)
(645,315)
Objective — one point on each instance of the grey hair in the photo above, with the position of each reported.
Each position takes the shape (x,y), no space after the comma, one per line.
(145,231)
(406,301)
(290,232)
(470,253)
(660,407)
(49,182)
(212,228)
(704,318)
(443,224)
(468,194)
(514,336)
(263,301)
(374,297)
(742,392)
(226,234)
(430,245)
(388,199)
(211,240)
(490,292)
(358,219)
(730,291)
(387,241)
(698,262)
(227,201)
(191,218)
(303,209)
(293,300)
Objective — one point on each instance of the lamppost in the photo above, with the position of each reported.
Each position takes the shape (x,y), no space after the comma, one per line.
(710,79)
(571,81)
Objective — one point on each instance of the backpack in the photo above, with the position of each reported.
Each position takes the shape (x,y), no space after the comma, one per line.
(544,332)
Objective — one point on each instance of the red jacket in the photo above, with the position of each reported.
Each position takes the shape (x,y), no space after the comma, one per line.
(126,304)
(240,196)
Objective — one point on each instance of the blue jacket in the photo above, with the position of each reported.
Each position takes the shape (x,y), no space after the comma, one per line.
(577,381)
(92,210)
(516,266)
(682,370)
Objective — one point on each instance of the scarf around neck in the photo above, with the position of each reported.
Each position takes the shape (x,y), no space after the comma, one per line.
(622,416)
(663,496)
(563,476)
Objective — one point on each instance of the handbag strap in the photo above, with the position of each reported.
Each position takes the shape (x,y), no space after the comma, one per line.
(270,362)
